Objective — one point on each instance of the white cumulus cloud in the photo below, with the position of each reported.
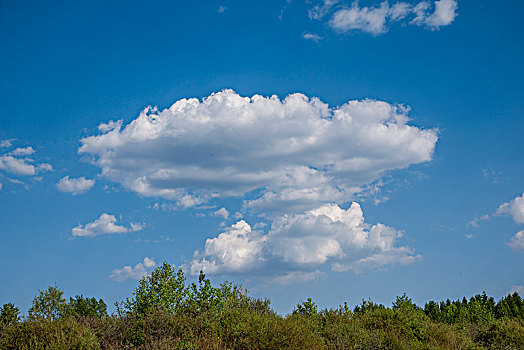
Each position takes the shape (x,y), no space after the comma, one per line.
(17,162)
(294,161)
(296,150)
(137,272)
(105,224)
(75,185)
(25,151)
(517,242)
(222,212)
(319,11)
(514,208)
(17,166)
(445,13)
(367,19)
(376,19)
(238,249)
(300,243)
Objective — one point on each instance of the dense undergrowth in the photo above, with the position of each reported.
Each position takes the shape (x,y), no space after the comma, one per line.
(165,313)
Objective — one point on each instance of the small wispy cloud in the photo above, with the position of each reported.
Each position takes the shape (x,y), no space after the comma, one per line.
(319,11)
(75,185)
(221,8)
(298,277)
(222,212)
(517,242)
(17,161)
(25,151)
(312,36)
(6,143)
(376,19)
(137,272)
(476,221)
(516,289)
(105,224)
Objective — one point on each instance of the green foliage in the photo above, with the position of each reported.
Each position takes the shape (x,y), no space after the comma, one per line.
(166,314)
(9,314)
(163,289)
(501,334)
(204,296)
(511,306)
(308,308)
(48,304)
(60,334)
(479,309)
(366,306)
(86,307)
(233,296)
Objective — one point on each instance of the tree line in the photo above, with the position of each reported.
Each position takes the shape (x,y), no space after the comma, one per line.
(165,312)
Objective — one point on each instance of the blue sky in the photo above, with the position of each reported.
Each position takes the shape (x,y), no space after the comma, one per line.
(326,149)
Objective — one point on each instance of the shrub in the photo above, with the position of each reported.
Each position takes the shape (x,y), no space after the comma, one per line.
(86,307)
(163,289)
(59,334)
(9,314)
(48,304)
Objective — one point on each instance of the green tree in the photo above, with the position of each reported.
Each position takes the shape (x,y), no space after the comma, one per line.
(367,306)
(48,304)
(9,314)
(204,296)
(307,307)
(510,306)
(164,288)
(90,307)
(432,310)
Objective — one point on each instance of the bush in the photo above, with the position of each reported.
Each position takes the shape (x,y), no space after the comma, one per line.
(501,334)
(48,304)
(163,289)
(9,314)
(166,314)
(85,307)
(46,334)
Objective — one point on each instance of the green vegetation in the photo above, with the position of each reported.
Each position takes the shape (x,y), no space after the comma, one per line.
(166,313)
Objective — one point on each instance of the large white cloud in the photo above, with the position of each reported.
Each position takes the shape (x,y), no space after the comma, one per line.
(376,19)
(294,161)
(300,243)
(137,272)
(75,185)
(238,249)
(296,150)
(105,224)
